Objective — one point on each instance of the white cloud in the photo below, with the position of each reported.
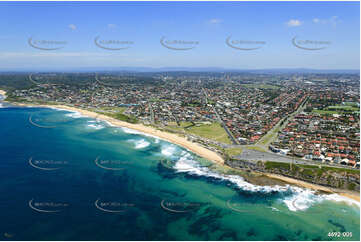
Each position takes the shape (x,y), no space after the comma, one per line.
(334,20)
(316,20)
(294,23)
(72,26)
(112,26)
(215,21)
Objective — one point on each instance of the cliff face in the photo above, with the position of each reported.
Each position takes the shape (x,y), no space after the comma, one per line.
(340,178)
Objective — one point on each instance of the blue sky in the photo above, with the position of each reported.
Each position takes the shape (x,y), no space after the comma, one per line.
(208,24)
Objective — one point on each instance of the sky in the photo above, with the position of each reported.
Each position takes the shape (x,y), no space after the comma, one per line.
(237,35)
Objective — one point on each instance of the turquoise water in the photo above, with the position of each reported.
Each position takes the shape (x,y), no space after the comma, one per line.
(68,177)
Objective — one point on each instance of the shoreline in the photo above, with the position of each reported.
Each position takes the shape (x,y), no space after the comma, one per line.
(345,193)
(173,138)
(3,93)
(193,147)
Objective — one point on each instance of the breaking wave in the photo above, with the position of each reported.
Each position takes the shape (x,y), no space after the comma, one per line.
(95,125)
(130,131)
(305,198)
(168,150)
(74,115)
(140,144)
(295,198)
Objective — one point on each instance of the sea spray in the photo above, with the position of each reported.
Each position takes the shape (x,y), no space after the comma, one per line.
(140,143)
(295,198)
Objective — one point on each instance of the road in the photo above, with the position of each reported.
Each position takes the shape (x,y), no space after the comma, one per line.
(151,113)
(233,139)
(31,80)
(272,134)
(255,155)
(205,95)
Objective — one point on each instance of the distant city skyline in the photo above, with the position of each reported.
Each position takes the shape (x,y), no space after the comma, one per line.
(230,35)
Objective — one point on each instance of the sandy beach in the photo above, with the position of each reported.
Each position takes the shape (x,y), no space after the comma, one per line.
(194,147)
(173,138)
(3,93)
(349,194)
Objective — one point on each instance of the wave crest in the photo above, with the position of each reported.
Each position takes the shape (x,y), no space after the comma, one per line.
(168,150)
(295,198)
(140,144)
(74,115)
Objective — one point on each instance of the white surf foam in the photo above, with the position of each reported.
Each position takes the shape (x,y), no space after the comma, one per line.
(140,144)
(61,109)
(129,131)
(295,198)
(185,163)
(74,115)
(274,209)
(305,198)
(108,123)
(338,198)
(301,199)
(132,131)
(95,125)
(168,149)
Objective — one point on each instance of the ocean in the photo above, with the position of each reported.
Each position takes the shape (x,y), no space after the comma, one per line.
(68,177)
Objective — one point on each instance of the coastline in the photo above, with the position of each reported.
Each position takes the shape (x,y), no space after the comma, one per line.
(194,147)
(349,194)
(3,93)
(173,138)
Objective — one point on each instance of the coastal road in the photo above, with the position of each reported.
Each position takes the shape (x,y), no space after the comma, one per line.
(255,155)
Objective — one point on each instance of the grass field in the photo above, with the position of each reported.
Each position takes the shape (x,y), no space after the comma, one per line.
(123,117)
(180,128)
(343,107)
(328,168)
(271,164)
(212,131)
(111,109)
(256,148)
(338,109)
(310,168)
(270,135)
(115,112)
(325,111)
(233,151)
